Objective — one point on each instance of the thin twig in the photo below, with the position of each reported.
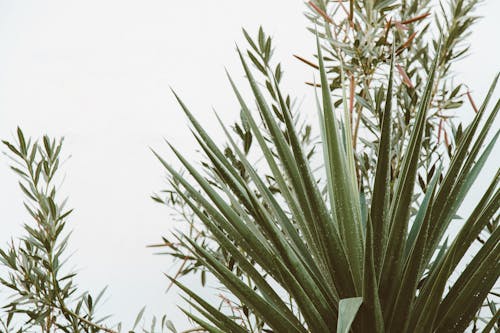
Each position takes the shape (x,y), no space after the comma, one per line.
(321,12)
(305,61)
(469,96)
(416,18)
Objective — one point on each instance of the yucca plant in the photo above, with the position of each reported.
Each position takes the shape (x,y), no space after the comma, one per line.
(357,39)
(312,254)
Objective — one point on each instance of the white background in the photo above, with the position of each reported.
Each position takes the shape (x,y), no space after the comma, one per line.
(98,73)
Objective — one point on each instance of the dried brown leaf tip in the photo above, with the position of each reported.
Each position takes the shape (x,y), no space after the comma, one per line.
(416,18)
(387,28)
(469,97)
(400,26)
(403,25)
(317,85)
(440,129)
(446,140)
(406,44)
(352,88)
(305,61)
(404,76)
(320,12)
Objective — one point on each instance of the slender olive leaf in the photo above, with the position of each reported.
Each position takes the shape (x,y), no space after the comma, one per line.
(256,62)
(139,317)
(250,40)
(379,5)
(19,172)
(12,148)
(348,308)
(27,192)
(47,145)
(22,142)
(169,324)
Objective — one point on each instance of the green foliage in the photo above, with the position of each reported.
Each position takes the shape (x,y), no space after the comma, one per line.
(44,293)
(359,243)
(44,296)
(260,54)
(357,42)
(305,249)
(294,251)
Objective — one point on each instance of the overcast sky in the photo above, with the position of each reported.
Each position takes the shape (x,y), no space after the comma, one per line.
(98,73)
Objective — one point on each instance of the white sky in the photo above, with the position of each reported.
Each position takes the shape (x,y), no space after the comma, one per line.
(98,73)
